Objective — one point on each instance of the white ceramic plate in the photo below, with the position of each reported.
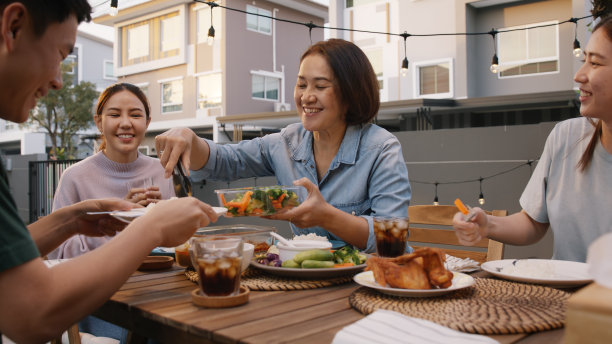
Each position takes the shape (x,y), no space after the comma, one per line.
(130,215)
(460,281)
(309,273)
(559,273)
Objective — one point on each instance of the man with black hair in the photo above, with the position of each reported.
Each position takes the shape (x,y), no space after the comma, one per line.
(38,302)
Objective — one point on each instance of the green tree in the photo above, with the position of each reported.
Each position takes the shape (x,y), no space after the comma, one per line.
(63,113)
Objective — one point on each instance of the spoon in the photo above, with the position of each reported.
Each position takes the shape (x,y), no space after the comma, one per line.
(283,240)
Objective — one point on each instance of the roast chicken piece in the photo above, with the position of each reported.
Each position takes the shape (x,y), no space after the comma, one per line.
(422,269)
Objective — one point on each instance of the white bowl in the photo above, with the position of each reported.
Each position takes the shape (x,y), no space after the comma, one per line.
(247,255)
(286,252)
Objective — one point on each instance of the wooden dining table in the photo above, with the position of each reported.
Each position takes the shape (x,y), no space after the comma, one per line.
(158,305)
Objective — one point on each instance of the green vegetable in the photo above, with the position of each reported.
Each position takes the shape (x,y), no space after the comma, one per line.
(317,264)
(313,255)
(290,264)
(349,254)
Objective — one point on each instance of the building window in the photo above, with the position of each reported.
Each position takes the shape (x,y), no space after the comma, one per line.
(434,79)
(531,51)
(256,22)
(109,70)
(265,86)
(203,23)
(144,87)
(71,64)
(152,39)
(172,96)
(209,90)
(376,59)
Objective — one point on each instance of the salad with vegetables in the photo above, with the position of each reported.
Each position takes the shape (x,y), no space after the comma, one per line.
(258,201)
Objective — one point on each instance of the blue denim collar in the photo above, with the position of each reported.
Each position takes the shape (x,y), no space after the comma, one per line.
(347,154)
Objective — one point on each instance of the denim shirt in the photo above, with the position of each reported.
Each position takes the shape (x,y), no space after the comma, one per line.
(367,177)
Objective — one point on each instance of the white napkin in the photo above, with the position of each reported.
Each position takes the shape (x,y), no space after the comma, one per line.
(390,327)
(461,265)
(599,258)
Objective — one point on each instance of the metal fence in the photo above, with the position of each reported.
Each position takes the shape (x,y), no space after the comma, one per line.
(44,177)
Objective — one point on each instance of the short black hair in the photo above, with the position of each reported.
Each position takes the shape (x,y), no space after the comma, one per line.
(46,12)
(354,78)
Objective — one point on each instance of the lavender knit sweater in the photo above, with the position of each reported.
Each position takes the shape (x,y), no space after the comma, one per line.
(99,177)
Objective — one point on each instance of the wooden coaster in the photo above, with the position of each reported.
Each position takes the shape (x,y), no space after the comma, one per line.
(491,306)
(255,279)
(220,301)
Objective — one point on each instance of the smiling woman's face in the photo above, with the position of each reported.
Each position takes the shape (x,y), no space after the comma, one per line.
(595,77)
(123,122)
(317,101)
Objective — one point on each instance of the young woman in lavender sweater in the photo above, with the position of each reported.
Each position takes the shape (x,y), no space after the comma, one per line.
(118,169)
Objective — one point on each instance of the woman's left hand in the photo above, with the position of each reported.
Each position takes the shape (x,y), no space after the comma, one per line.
(311,212)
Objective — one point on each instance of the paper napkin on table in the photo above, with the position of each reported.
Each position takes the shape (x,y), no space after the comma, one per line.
(390,327)
(599,258)
(461,265)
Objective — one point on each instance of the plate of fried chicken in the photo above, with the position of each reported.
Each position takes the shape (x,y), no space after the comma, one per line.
(418,274)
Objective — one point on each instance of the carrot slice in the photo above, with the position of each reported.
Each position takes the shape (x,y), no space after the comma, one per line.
(462,208)
(222,199)
(343,265)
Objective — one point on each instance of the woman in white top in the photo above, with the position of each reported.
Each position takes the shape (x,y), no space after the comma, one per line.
(571,186)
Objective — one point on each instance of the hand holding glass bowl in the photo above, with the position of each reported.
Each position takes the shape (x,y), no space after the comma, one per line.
(219,261)
(391,235)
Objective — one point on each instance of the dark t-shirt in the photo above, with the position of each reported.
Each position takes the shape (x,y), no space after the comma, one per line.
(16,244)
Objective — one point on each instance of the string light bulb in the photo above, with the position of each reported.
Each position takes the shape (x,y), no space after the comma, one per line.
(577,51)
(435,202)
(404,69)
(494,61)
(211,31)
(113,8)
(481,199)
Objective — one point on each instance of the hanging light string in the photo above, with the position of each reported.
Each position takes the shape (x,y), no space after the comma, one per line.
(480,179)
(405,35)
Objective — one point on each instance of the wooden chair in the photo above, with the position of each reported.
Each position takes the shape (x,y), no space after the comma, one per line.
(438,232)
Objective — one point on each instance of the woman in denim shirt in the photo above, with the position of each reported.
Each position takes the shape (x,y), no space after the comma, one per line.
(353,170)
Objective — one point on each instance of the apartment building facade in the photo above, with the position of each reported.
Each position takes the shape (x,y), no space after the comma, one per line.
(249,67)
(534,48)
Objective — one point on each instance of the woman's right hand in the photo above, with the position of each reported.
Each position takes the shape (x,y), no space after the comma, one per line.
(471,232)
(175,220)
(173,145)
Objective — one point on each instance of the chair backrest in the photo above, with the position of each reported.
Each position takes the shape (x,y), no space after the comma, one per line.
(438,230)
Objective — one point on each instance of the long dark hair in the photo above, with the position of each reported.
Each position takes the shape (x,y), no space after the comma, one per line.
(605,24)
(354,78)
(109,92)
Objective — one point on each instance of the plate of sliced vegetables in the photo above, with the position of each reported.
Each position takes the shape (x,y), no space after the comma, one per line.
(260,201)
(314,263)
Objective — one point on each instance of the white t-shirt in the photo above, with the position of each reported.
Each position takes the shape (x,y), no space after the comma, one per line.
(578,205)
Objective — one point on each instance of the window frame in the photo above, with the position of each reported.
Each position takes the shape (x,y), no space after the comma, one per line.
(153,64)
(556,58)
(451,78)
(197,80)
(161,93)
(278,75)
(104,75)
(259,10)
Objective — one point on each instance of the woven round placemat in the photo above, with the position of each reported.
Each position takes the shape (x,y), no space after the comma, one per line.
(489,307)
(255,279)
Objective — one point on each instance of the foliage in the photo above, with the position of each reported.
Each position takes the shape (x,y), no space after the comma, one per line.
(63,113)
